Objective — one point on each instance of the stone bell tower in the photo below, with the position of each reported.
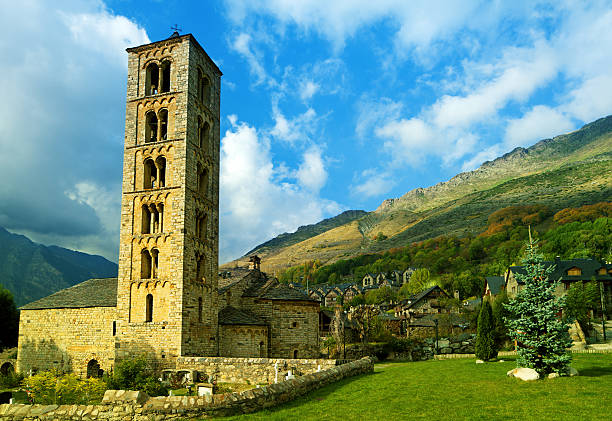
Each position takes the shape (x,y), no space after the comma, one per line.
(168,256)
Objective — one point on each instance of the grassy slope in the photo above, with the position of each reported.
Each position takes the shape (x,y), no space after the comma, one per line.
(456,390)
(569,170)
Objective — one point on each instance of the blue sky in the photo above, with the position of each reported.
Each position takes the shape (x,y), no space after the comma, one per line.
(325,105)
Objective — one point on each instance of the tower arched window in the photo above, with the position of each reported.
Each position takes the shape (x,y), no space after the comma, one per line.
(163,124)
(146,220)
(150,174)
(152,79)
(203,88)
(149,308)
(165,76)
(203,181)
(160,163)
(150,127)
(145,264)
(154,263)
(204,133)
(201,225)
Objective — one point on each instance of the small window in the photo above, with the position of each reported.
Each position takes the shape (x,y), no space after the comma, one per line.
(149,308)
(203,182)
(295,353)
(200,309)
(294,324)
(114,328)
(574,272)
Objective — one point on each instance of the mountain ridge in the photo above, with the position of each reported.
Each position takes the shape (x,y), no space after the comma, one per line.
(32,271)
(567,170)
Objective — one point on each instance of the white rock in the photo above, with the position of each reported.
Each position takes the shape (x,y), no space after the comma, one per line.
(573,372)
(553,375)
(479,362)
(526,374)
(501,361)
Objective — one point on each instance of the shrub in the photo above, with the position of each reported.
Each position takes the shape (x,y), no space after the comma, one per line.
(51,387)
(10,380)
(137,373)
(485,337)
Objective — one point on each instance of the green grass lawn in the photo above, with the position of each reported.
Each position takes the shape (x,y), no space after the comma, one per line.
(457,390)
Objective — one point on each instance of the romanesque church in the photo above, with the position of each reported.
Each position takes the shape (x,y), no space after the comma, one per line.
(166,299)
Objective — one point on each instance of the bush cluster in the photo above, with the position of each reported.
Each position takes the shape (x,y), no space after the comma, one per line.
(137,373)
(52,387)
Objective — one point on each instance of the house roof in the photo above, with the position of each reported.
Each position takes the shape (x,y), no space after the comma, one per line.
(496,283)
(233,316)
(90,293)
(589,268)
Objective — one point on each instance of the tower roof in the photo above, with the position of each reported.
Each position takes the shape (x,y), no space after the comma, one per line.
(175,38)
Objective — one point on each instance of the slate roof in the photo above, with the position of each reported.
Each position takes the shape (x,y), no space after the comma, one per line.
(233,316)
(589,269)
(90,293)
(495,283)
(262,287)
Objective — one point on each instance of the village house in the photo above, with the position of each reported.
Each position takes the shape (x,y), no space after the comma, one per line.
(425,302)
(567,272)
(369,280)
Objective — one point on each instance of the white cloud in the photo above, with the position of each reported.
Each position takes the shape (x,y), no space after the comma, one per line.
(105,33)
(257,200)
(299,128)
(373,183)
(242,44)
(312,174)
(541,122)
(307,89)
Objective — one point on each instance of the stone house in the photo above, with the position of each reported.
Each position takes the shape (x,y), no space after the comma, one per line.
(567,272)
(380,278)
(166,300)
(368,280)
(351,291)
(425,302)
(406,275)
(332,297)
(494,285)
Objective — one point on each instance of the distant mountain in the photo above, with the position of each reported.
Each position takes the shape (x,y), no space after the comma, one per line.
(32,271)
(567,171)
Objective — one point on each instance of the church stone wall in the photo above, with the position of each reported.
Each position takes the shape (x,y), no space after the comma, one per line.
(294,326)
(66,339)
(244,341)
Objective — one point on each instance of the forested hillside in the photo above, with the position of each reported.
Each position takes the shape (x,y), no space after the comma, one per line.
(461,263)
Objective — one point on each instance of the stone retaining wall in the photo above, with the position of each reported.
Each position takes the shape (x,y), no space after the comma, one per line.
(252,370)
(121,405)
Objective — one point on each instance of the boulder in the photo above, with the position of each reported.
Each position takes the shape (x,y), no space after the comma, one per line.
(553,375)
(479,362)
(443,343)
(526,374)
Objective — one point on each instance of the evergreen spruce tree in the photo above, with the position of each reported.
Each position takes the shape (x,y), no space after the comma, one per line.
(534,318)
(485,348)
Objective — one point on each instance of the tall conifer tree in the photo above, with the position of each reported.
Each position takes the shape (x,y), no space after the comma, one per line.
(486,348)
(534,318)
